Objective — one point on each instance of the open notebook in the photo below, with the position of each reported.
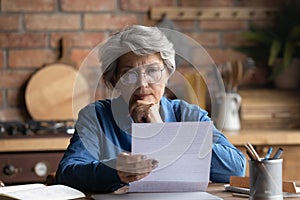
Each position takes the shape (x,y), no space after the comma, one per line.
(38,191)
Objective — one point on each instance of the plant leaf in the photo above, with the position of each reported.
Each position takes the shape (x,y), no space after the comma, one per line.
(274,51)
(288,54)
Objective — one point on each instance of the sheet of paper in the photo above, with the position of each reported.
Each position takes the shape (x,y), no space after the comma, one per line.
(158,196)
(21,187)
(53,192)
(183,150)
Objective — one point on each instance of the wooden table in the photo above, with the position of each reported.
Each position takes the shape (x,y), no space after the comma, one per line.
(217,189)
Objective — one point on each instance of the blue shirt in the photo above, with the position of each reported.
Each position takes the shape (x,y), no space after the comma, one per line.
(103,130)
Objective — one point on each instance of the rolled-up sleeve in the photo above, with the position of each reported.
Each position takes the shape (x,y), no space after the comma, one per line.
(79,169)
(226,159)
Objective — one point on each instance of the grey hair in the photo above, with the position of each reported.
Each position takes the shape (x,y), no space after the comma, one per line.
(141,40)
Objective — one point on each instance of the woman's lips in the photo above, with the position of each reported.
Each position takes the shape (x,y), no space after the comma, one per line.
(142,96)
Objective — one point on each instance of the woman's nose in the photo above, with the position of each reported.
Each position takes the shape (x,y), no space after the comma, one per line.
(142,79)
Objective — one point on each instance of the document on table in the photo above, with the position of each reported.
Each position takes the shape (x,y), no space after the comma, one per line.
(157,196)
(183,150)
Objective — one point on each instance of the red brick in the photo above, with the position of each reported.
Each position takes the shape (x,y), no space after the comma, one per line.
(108,21)
(221,56)
(79,39)
(13,114)
(15,98)
(262,23)
(206,3)
(14,79)
(1,98)
(260,3)
(1,59)
(185,24)
(52,21)
(231,39)
(22,40)
(9,22)
(206,38)
(223,24)
(146,21)
(200,57)
(78,56)
(30,58)
(28,5)
(144,5)
(88,5)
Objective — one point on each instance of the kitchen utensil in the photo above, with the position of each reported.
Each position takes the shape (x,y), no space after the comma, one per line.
(51,93)
(237,74)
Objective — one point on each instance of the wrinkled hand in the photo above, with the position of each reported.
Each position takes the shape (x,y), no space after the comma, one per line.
(134,167)
(145,112)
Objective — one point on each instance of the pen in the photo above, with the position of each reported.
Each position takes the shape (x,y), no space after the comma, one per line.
(268,153)
(278,153)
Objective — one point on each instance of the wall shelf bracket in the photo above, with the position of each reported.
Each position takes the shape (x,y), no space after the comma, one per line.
(201,13)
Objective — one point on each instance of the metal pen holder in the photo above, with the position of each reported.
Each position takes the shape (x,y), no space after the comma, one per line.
(266,179)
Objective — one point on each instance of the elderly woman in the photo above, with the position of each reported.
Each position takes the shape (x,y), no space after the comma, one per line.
(137,63)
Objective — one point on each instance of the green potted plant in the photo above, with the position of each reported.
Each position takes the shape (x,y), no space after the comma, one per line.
(280,42)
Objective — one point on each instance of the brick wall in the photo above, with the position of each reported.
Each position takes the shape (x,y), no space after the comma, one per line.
(30,30)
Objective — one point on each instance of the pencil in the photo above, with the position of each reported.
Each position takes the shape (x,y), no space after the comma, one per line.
(255,155)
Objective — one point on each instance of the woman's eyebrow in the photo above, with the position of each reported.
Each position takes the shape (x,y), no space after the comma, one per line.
(126,67)
(151,64)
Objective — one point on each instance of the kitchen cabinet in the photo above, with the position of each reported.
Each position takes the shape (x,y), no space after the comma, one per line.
(30,159)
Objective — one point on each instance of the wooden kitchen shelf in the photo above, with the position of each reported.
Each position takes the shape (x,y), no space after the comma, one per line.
(34,144)
(264,137)
(198,13)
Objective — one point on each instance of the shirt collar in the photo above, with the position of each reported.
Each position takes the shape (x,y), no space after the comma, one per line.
(166,110)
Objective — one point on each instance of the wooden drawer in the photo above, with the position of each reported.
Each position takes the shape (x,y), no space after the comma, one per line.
(28,167)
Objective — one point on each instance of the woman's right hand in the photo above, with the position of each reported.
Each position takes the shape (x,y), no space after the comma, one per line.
(145,112)
(134,167)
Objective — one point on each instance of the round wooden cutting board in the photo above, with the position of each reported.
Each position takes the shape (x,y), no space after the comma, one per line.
(50,93)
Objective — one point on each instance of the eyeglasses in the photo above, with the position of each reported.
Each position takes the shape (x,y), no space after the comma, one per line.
(152,74)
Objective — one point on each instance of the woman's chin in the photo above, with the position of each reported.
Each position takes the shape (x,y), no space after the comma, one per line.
(149,99)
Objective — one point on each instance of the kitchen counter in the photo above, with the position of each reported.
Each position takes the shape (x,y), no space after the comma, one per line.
(264,137)
(34,144)
(255,137)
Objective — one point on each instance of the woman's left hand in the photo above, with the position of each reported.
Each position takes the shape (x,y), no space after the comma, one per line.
(134,167)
